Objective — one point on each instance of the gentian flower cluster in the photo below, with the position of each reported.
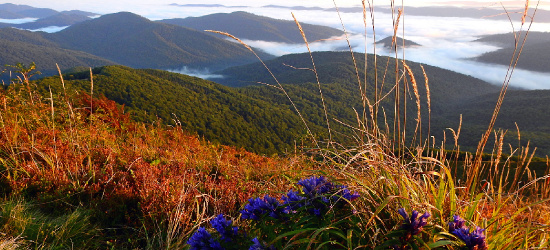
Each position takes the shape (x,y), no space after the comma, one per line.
(414,224)
(224,227)
(202,239)
(259,206)
(318,196)
(474,240)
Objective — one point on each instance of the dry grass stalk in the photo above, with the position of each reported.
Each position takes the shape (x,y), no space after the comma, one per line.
(513,63)
(395,27)
(417,96)
(366,101)
(525,12)
(428,97)
(316,76)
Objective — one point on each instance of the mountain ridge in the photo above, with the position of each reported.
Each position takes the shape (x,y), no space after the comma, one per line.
(249,26)
(136,41)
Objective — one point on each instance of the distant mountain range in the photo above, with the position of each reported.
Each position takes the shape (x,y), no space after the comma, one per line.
(132,40)
(20,46)
(438,11)
(206,5)
(246,25)
(122,38)
(485,13)
(45,17)
(534,56)
(135,41)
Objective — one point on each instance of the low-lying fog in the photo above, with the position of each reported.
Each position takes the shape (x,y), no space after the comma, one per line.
(445,42)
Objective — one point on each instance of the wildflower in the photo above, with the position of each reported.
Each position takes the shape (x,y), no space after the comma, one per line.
(346,194)
(260,206)
(321,195)
(202,239)
(292,201)
(456,223)
(315,186)
(259,246)
(474,240)
(414,224)
(224,227)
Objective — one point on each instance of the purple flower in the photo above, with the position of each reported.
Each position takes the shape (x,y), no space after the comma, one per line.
(315,186)
(322,194)
(260,206)
(473,240)
(457,223)
(259,246)
(344,192)
(224,227)
(203,240)
(292,201)
(414,224)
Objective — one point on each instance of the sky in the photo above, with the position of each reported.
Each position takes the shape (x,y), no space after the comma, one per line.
(446,43)
(142,6)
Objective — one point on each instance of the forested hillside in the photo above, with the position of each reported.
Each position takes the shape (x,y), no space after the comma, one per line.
(19,46)
(534,55)
(261,118)
(45,17)
(451,95)
(218,113)
(135,41)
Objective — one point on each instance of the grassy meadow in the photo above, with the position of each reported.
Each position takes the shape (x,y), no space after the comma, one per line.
(77,172)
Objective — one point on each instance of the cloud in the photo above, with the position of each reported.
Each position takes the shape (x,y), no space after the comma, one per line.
(446,42)
(200,73)
(51,29)
(18,21)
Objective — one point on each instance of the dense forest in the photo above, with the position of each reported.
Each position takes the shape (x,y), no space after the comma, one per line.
(261,118)
(217,113)
(452,95)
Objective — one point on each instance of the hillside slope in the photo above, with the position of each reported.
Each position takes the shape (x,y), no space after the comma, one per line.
(19,46)
(452,95)
(218,113)
(137,42)
(534,56)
